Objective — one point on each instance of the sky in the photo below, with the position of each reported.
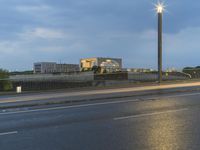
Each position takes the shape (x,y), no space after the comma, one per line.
(64,31)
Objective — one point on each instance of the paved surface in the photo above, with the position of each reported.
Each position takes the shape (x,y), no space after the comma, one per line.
(151,123)
(54,95)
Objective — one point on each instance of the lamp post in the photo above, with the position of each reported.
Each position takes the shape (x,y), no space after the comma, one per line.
(160,9)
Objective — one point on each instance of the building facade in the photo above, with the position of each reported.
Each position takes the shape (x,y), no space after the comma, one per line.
(52,67)
(62,68)
(106,64)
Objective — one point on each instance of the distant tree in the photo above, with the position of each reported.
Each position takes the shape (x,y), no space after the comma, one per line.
(96,69)
(104,71)
(82,69)
(86,69)
(28,72)
(188,68)
(5,84)
(193,71)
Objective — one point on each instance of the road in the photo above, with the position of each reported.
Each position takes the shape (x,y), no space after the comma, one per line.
(105,91)
(159,122)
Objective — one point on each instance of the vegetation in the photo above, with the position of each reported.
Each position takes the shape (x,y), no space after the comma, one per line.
(96,69)
(193,71)
(5,84)
(28,72)
(85,70)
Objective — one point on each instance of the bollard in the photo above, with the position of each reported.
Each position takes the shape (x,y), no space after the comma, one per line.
(18,89)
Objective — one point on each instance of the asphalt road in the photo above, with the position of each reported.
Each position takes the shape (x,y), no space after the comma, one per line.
(167,122)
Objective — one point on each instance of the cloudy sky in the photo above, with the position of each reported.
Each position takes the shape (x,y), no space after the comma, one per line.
(67,30)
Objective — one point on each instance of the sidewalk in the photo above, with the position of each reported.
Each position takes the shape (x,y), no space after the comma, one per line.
(34,99)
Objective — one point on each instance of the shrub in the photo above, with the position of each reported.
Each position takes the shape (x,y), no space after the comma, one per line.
(5,84)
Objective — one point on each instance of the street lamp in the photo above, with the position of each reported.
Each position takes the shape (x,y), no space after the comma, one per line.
(160,8)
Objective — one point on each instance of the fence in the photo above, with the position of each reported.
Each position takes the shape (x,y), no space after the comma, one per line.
(85,79)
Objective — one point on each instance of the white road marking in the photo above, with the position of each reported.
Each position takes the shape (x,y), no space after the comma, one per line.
(66,107)
(8,133)
(150,114)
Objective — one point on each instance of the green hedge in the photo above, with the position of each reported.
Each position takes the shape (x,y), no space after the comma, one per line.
(5,84)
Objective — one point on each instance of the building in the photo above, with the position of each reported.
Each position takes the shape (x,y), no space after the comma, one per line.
(106,64)
(44,67)
(62,68)
(53,67)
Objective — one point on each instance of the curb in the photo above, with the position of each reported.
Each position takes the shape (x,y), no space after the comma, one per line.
(35,103)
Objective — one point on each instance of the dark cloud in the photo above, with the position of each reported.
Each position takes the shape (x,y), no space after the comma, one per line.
(85,28)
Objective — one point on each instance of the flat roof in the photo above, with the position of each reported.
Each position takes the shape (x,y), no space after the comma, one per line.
(101,57)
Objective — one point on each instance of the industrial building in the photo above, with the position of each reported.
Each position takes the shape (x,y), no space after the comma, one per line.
(53,67)
(106,64)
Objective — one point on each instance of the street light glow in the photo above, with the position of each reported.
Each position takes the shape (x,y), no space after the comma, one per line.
(160,7)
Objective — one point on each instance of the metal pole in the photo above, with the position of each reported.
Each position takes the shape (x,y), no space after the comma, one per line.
(159,47)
